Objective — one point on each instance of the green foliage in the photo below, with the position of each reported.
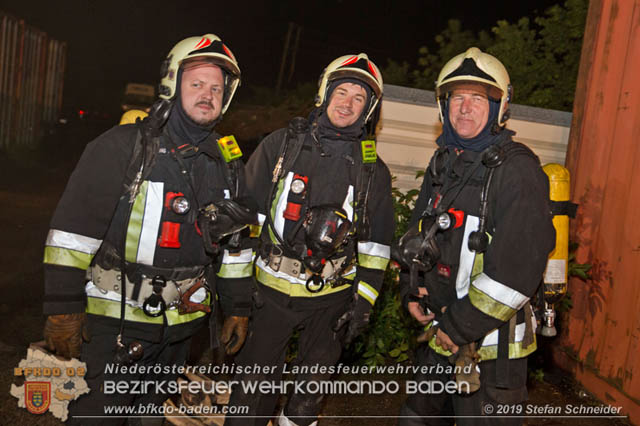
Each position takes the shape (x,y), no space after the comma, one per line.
(543,57)
(542,54)
(580,270)
(396,73)
(403,204)
(537,375)
(390,337)
(390,334)
(575,269)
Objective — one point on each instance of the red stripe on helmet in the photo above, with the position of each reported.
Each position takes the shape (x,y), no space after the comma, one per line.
(203,43)
(228,52)
(372,69)
(350,61)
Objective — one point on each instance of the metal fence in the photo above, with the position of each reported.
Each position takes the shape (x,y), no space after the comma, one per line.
(31,80)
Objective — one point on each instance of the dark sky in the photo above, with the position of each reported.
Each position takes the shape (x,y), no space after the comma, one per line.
(114,42)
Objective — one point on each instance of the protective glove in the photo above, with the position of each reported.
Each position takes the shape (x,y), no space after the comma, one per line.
(234,333)
(64,334)
(357,319)
(222,218)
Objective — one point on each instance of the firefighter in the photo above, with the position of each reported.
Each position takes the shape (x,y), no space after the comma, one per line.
(150,208)
(326,212)
(484,231)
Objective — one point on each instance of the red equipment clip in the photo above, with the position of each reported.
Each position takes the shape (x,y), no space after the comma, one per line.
(170,236)
(292,212)
(458,215)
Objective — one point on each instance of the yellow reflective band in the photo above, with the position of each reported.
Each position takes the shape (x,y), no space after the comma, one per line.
(111,308)
(255,231)
(274,207)
(368,292)
(66,257)
(478,266)
(515,350)
(490,306)
(235,270)
(294,290)
(372,262)
(432,344)
(134,229)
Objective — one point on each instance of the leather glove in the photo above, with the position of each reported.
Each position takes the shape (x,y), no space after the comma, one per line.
(64,334)
(234,333)
(356,319)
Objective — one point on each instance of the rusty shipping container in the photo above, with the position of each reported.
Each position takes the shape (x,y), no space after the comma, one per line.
(600,342)
(31,80)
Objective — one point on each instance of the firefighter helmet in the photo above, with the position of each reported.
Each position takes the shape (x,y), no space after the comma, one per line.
(352,66)
(132,116)
(208,47)
(475,66)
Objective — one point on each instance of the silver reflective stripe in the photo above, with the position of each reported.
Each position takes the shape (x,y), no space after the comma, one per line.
(245,256)
(368,292)
(374,249)
(278,219)
(285,421)
(151,223)
(261,219)
(500,292)
(492,338)
(227,194)
(348,203)
(71,241)
(467,257)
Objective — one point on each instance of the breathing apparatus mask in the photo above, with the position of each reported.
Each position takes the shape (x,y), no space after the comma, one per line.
(326,228)
(418,246)
(221,219)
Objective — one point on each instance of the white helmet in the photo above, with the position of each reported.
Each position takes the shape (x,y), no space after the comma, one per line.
(208,47)
(475,66)
(352,66)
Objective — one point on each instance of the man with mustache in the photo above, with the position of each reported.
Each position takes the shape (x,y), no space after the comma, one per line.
(483,229)
(327,222)
(151,217)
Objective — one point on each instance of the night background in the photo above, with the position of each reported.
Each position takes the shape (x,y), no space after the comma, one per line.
(111,43)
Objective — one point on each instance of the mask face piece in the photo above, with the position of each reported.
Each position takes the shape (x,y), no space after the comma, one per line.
(326,228)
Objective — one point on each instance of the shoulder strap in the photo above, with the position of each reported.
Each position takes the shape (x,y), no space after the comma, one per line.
(514,149)
(296,132)
(289,151)
(143,158)
(368,163)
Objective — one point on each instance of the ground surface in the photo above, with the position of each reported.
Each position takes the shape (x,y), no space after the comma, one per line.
(29,191)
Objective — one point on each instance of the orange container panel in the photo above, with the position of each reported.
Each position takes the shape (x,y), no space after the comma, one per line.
(600,339)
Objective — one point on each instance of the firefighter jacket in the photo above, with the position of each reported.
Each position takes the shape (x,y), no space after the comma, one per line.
(91,218)
(483,291)
(332,168)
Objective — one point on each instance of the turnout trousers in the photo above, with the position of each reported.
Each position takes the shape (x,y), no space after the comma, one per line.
(489,406)
(99,354)
(270,330)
